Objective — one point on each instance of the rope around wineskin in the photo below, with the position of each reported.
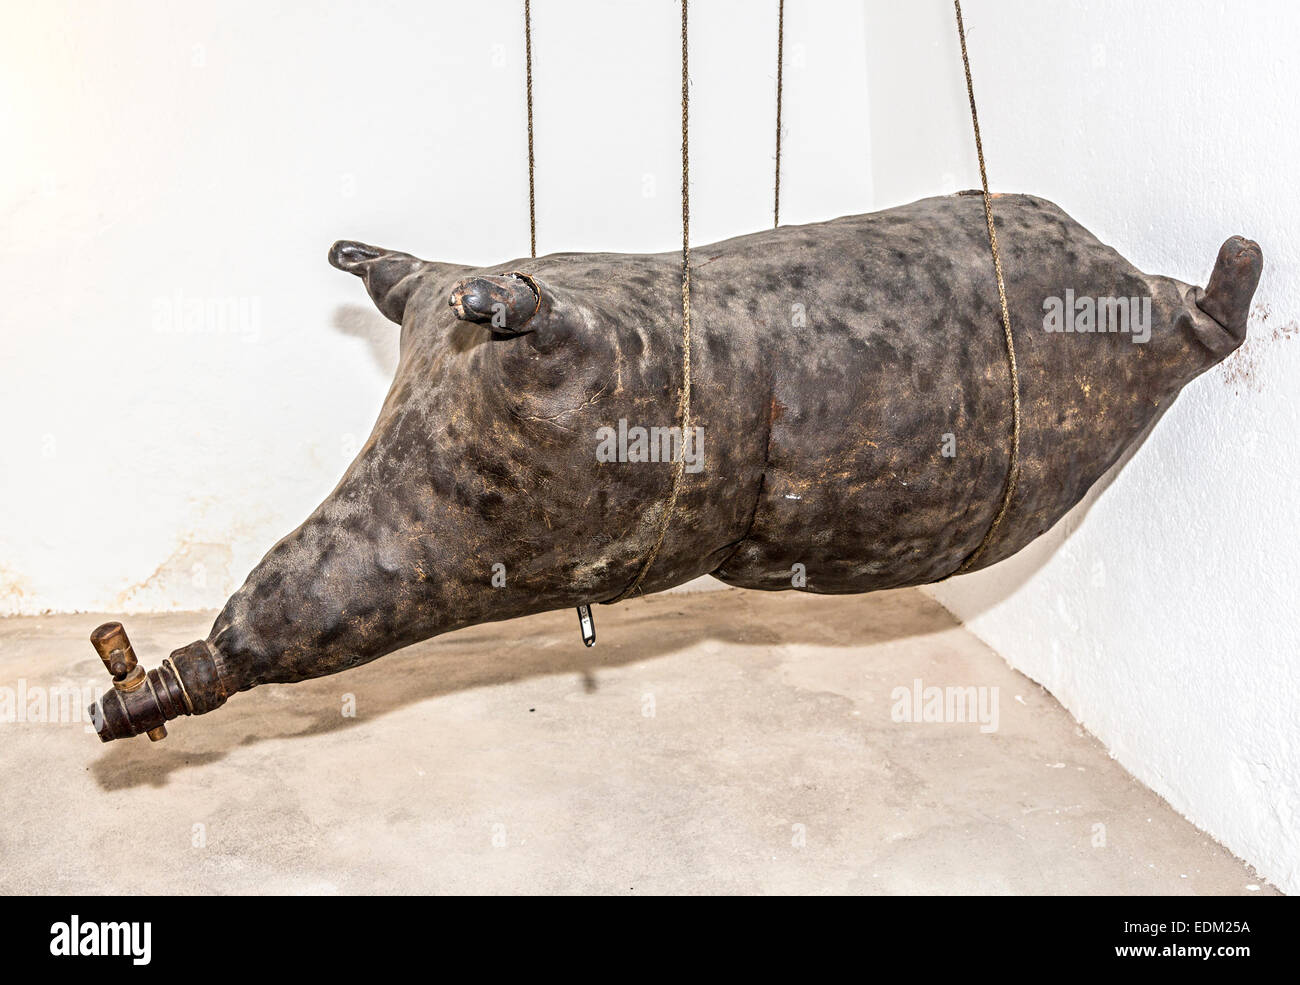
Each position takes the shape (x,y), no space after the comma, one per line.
(684,397)
(1013,463)
(528,62)
(780,65)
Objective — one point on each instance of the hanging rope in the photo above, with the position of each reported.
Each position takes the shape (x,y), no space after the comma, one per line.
(684,397)
(1013,464)
(528,63)
(780,65)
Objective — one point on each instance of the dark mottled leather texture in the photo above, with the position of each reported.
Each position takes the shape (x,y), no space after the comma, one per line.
(831,364)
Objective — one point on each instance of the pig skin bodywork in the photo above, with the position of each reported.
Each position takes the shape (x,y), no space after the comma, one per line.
(830,364)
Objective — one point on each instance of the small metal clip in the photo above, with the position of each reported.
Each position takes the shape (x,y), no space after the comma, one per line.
(587,624)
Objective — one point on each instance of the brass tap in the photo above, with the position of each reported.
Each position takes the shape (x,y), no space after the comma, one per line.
(114,648)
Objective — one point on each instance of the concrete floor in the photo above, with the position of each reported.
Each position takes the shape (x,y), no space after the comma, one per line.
(720,742)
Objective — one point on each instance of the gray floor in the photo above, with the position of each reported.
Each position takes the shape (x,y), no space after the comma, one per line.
(731,742)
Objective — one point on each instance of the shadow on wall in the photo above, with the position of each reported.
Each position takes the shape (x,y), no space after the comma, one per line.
(496,653)
(381,336)
(996,589)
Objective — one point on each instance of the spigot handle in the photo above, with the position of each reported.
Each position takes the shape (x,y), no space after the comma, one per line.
(111,643)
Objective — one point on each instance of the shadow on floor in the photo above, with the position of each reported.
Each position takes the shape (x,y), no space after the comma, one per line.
(496,653)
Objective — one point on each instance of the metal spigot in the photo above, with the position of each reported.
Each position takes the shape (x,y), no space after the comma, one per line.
(186,683)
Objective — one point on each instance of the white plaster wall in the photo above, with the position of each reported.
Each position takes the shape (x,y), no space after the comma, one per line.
(160,155)
(1162,612)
